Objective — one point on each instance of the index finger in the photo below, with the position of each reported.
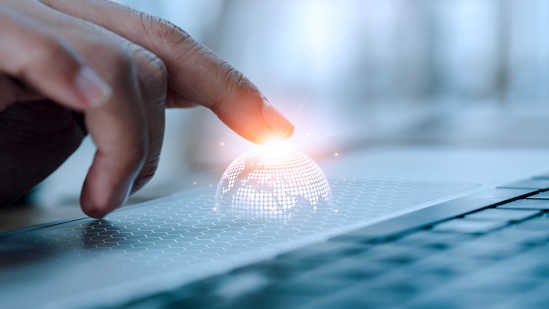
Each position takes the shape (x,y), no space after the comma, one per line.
(195,74)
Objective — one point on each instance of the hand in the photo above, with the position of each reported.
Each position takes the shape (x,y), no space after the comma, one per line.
(118,69)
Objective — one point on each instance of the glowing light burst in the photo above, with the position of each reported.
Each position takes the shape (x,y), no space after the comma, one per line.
(276,151)
(272,182)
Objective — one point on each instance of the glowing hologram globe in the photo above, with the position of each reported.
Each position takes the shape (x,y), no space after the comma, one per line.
(272,183)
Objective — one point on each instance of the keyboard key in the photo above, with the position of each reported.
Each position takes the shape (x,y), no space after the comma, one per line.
(542,176)
(233,285)
(363,236)
(304,259)
(353,298)
(482,250)
(349,268)
(542,195)
(460,265)
(406,285)
(514,236)
(156,301)
(442,272)
(265,299)
(406,257)
(536,224)
(393,254)
(527,204)
(403,284)
(537,254)
(439,265)
(188,301)
(528,184)
(498,214)
(489,285)
(449,299)
(495,281)
(307,284)
(325,251)
(433,240)
(535,298)
(281,269)
(468,226)
(540,271)
(387,291)
(516,266)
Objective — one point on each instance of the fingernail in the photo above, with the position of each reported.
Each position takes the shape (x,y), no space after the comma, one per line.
(276,121)
(95,90)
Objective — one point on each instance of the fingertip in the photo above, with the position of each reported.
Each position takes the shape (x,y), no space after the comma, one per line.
(94,213)
(97,202)
(290,132)
(90,208)
(279,125)
(98,209)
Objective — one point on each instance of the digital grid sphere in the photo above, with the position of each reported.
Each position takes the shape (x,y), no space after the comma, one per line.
(261,184)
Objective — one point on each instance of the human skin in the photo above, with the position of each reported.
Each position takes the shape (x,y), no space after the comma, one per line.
(71,68)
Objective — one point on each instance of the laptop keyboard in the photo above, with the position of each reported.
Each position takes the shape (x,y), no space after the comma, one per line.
(493,257)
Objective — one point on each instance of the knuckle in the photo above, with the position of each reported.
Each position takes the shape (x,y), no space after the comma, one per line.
(51,48)
(110,55)
(153,76)
(235,84)
(120,61)
(162,29)
(162,33)
(233,78)
(48,48)
(156,69)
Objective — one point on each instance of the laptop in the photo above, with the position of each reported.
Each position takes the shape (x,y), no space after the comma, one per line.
(380,242)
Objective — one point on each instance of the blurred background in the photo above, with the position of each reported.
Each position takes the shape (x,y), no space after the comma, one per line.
(357,73)
(362,72)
